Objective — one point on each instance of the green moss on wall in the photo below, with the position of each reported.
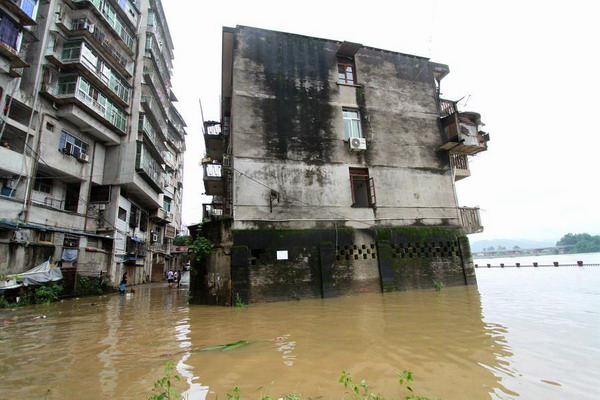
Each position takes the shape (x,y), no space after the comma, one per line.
(416,234)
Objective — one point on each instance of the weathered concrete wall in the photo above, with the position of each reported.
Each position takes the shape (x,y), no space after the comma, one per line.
(329,263)
(287,133)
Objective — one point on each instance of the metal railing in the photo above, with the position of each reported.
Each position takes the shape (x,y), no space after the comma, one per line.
(447,107)
(212,171)
(470,219)
(154,49)
(109,14)
(459,161)
(212,211)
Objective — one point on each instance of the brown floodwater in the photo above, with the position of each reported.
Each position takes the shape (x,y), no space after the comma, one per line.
(522,333)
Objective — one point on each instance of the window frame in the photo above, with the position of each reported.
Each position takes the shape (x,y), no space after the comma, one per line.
(78,146)
(342,71)
(358,175)
(357,120)
(123,212)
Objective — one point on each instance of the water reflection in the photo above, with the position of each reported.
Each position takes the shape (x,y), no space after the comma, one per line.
(114,347)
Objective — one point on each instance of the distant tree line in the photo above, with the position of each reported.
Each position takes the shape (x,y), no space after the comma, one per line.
(581,242)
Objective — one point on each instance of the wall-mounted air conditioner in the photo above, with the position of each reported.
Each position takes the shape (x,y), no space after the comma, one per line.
(357,144)
(84,158)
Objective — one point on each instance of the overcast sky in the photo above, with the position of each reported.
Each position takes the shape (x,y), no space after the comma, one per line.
(529,67)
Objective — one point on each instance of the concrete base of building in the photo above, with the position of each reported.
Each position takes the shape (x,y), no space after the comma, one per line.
(277,265)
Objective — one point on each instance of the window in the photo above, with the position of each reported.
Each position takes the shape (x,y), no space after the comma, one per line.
(346,71)
(351,124)
(10,32)
(71,241)
(167,204)
(100,194)
(143,221)
(72,196)
(122,214)
(44,236)
(133,217)
(42,184)
(70,145)
(67,84)
(71,51)
(363,188)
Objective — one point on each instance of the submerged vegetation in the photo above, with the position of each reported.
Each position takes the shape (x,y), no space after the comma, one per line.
(164,390)
(43,294)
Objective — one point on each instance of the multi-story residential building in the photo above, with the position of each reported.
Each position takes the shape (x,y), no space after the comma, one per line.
(332,170)
(92,155)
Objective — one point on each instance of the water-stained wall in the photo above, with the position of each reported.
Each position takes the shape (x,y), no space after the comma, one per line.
(288,143)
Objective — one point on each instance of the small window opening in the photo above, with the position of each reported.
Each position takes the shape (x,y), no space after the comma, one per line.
(363,188)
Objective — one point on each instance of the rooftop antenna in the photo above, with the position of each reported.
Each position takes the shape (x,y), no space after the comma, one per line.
(201,114)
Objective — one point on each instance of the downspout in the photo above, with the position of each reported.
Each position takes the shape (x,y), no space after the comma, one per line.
(87,202)
(36,86)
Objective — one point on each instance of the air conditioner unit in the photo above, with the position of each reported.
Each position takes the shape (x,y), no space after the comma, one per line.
(357,144)
(101,207)
(84,158)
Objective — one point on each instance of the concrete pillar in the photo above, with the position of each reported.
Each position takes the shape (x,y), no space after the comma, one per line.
(240,273)
(327,261)
(386,267)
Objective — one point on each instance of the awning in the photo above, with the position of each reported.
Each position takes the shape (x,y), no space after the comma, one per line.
(15,224)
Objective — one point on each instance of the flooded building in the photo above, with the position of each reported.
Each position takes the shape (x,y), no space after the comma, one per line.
(332,171)
(91,161)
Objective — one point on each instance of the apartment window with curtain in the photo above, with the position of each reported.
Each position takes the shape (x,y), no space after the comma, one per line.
(352,127)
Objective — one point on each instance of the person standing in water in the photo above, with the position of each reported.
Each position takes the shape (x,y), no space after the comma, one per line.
(123,283)
(170,277)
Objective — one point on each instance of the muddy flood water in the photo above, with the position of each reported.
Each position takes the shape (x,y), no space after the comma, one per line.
(521,333)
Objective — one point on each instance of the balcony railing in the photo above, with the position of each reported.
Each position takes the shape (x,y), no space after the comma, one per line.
(213,171)
(148,167)
(212,211)
(77,87)
(460,166)
(146,127)
(88,23)
(161,215)
(110,16)
(154,49)
(470,219)
(447,107)
(93,63)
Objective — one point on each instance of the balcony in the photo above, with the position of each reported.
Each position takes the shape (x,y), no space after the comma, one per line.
(151,77)
(84,24)
(161,216)
(214,139)
(213,179)
(92,110)
(159,247)
(460,166)
(156,140)
(470,220)
(13,162)
(108,15)
(154,109)
(212,211)
(10,42)
(153,50)
(461,132)
(148,167)
(79,56)
(24,10)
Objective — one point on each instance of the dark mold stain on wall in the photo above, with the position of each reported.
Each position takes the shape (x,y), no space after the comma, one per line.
(297,120)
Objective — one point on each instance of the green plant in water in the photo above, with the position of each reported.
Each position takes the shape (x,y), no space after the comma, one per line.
(438,285)
(164,387)
(237,301)
(47,293)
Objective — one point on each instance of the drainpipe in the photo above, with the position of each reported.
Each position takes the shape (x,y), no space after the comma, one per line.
(36,88)
(87,201)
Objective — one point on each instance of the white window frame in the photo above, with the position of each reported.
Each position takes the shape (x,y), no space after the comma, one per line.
(352,123)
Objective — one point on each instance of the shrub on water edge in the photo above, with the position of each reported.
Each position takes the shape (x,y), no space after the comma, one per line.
(90,285)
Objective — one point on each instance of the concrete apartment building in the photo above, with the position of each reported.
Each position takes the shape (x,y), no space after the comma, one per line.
(91,161)
(332,171)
